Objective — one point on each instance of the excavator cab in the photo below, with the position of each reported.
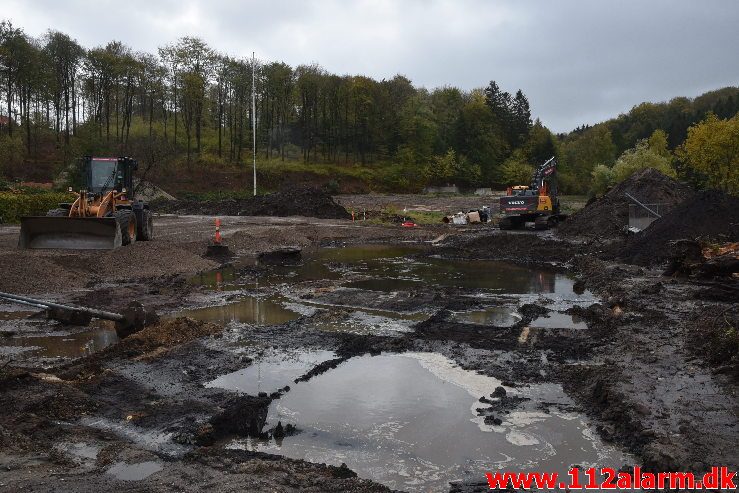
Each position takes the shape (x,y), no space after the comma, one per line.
(102,216)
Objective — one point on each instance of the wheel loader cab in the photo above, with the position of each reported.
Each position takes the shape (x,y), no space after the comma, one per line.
(106,174)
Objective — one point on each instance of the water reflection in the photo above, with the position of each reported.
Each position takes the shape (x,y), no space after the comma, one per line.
(271,373)
(409,421)
(66,346)
(249,309)
(556,320)
(499,316)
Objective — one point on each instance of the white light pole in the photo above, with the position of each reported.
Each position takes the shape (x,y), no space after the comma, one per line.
(254,119)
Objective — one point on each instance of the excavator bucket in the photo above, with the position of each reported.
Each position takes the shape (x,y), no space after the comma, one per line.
(69,233)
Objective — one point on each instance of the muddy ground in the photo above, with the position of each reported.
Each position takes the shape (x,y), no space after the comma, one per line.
(641,370)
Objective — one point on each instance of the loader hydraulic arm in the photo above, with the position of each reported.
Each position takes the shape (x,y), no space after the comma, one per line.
(93,205)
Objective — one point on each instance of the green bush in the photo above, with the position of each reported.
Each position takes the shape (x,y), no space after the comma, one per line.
(514,172)
(14,205)
(12,151)
(647,153)
(602,179)
(332,187)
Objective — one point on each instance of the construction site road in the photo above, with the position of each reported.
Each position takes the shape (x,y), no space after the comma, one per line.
(178,248)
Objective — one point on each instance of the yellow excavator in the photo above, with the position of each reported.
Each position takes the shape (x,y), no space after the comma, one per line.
(536,204)
(103,216)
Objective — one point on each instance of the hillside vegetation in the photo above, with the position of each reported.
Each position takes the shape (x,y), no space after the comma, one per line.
(186,113)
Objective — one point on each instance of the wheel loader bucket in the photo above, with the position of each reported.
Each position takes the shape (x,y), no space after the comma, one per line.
(69,233)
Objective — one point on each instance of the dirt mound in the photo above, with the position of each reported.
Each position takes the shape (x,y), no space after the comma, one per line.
(709,214)
(608,216)
(524,248)
(147,344)
(305,201)
(55,271)
(169,333)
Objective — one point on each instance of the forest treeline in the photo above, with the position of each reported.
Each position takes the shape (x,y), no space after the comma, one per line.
(188,105)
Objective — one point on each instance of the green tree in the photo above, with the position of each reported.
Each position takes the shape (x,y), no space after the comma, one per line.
(467,173)
(480,138)
(500,103)
(640,157)
(417,129)
(516,171)
(658,143)
(540,144)
(602,180)
(446,106)
(65,56)
(196,63)
(11,39)
(581,153)
(520,123)
(712,149)
(441,169)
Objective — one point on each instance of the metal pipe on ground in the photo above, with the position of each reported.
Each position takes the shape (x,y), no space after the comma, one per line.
(134,317)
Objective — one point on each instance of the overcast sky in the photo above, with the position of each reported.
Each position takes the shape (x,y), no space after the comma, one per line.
(578,61)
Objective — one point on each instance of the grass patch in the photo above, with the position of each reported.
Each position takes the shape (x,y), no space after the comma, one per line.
(427,217)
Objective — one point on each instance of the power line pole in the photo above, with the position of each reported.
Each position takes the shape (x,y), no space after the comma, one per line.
(254,119)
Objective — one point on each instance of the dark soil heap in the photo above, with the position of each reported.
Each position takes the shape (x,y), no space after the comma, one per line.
(710,214)
(608,216)
(303,201)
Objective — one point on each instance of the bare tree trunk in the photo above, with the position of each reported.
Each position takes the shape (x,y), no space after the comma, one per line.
(174,88)
(28,119)
(74,108)
(66,116)
(10,99)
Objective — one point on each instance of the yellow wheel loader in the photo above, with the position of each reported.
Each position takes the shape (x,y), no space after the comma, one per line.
(102,216)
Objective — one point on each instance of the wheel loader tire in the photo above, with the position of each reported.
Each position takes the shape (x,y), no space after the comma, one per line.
(146,226)
(127,224)
(58,213)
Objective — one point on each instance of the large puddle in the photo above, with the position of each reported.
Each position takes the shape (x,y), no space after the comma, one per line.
(499,277)
(271,373)
(134,472)
(499,316)
(64,345)
(410,421)
(377,270)
(249,309)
